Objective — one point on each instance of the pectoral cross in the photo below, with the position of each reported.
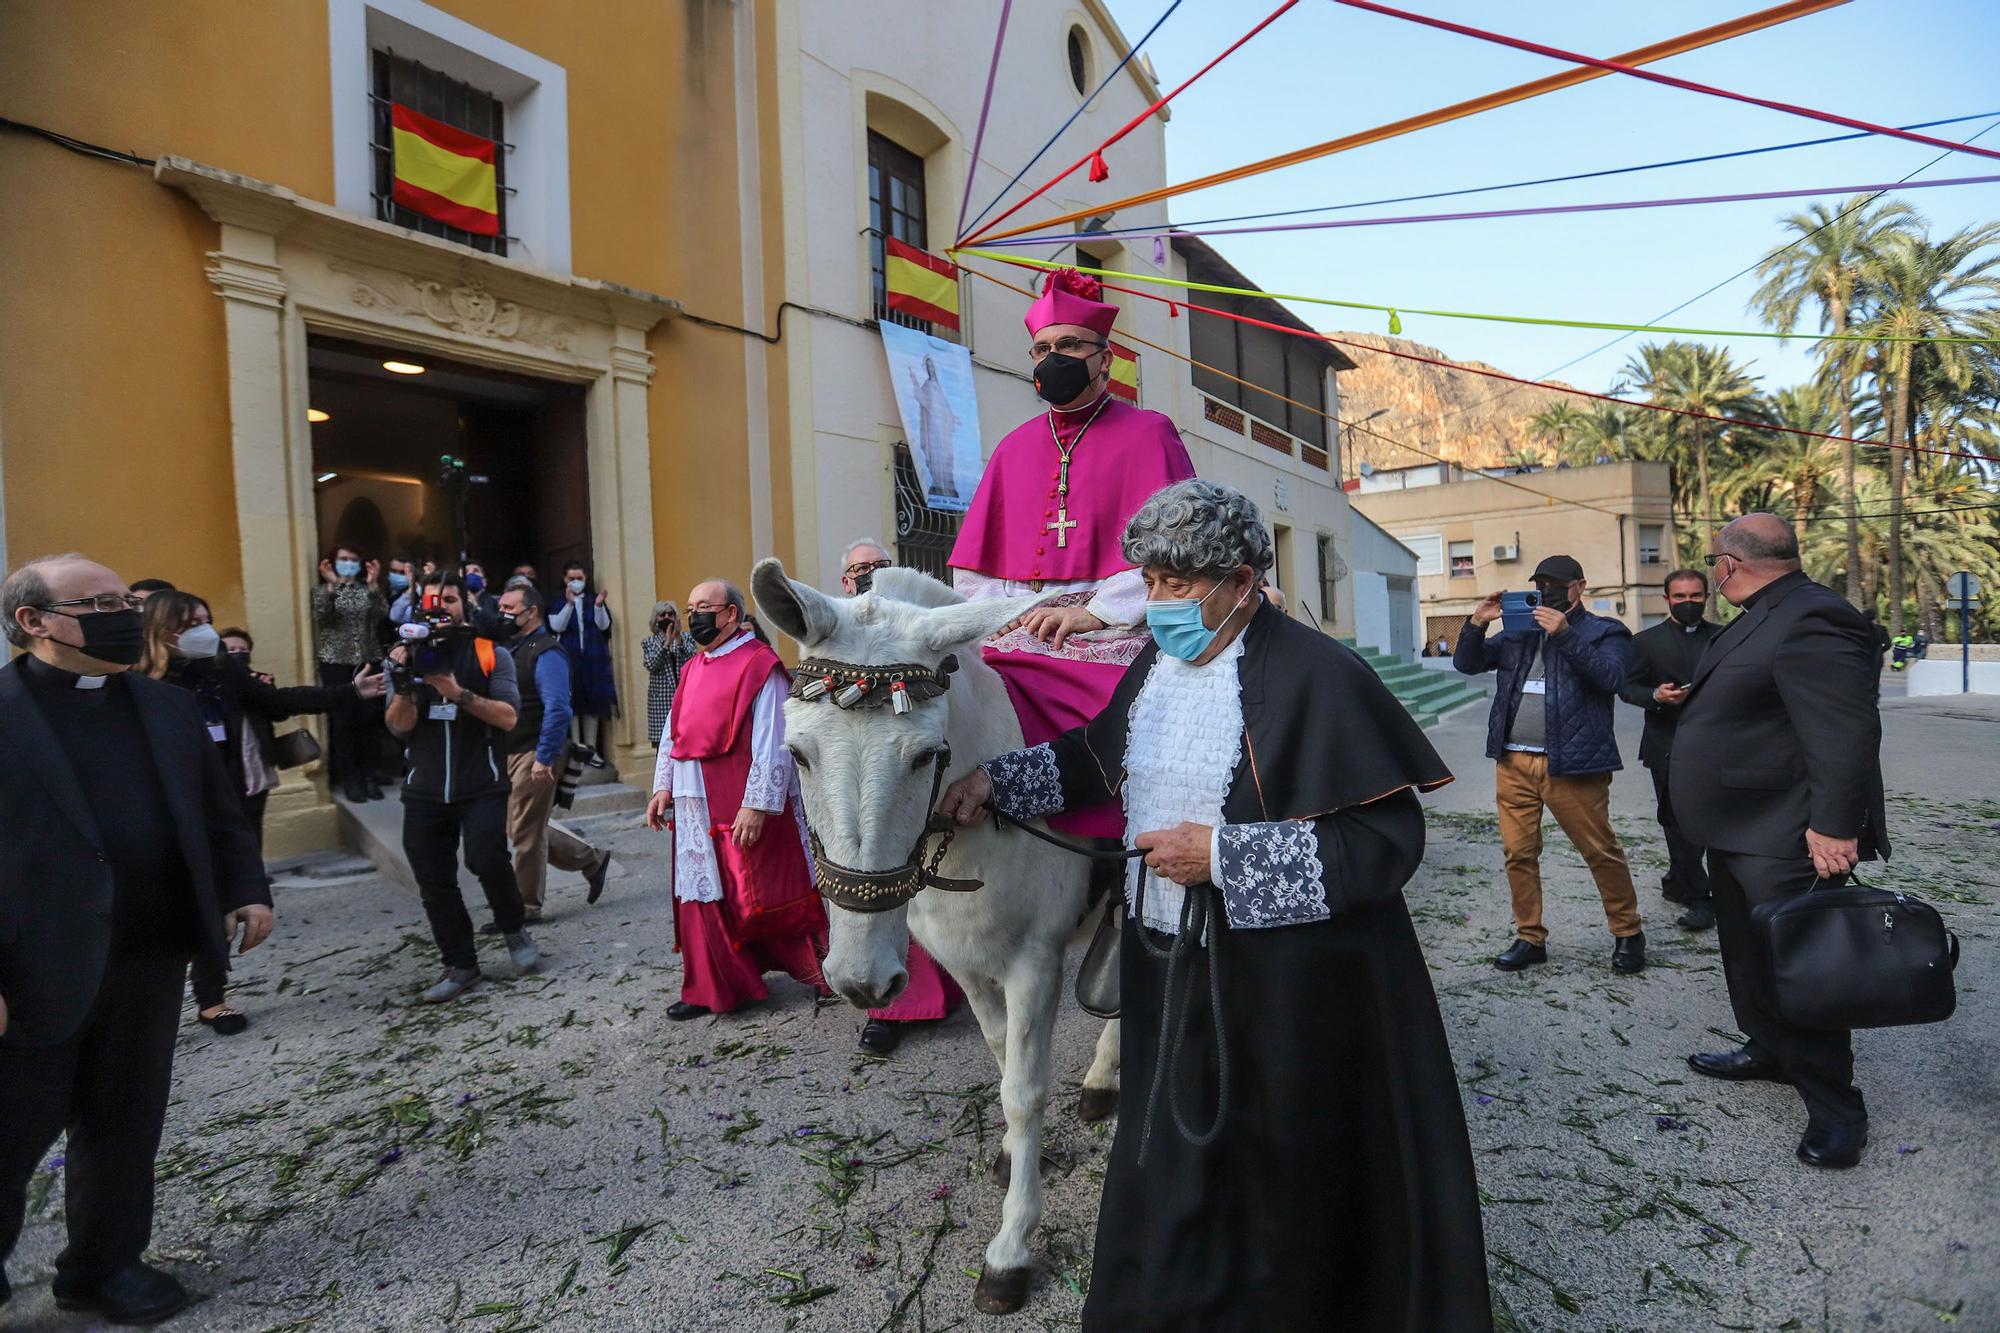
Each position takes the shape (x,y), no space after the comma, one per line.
(1062,525)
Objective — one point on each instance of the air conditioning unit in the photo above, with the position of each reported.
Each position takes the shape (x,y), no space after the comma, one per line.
(1505,553)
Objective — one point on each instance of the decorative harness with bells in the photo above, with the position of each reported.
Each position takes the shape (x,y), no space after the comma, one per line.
(901,686)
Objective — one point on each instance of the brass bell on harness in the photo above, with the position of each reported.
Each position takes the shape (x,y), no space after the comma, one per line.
(899,698)
(852,695)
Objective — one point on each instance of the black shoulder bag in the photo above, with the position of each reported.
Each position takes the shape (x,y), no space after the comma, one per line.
(1854,956)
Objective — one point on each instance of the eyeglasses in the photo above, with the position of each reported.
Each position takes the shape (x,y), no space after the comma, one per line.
(1066,346)
(1710,560)
(105,601)
(855,571)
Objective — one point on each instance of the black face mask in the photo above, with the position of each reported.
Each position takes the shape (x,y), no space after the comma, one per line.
(864,581)
(1555,598)
(1062,379)
(1686,613)
(116,637)
(701,624)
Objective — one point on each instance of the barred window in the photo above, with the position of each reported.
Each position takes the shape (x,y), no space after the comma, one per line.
(895,208)
(398,79)
(924,536)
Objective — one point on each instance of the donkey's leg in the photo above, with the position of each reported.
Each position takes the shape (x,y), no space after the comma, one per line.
(1100,1084)
(1024,1095)
(989,1006)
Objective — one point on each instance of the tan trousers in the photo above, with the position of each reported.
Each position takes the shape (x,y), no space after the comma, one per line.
(537,845)
(1582,807)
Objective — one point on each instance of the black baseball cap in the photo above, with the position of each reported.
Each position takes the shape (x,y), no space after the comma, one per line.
(1559,569)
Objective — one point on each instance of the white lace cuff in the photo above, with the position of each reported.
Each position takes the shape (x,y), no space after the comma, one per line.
(768,783)
(1026,783)
(1269,874)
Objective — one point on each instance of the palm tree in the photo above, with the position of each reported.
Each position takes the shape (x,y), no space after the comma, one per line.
(1557,426)
(1823,265)
(1694,377)
(1792,471)
(1918,291)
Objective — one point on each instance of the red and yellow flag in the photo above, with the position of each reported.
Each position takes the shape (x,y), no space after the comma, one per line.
(920,284)
(444,173)
(1125,373)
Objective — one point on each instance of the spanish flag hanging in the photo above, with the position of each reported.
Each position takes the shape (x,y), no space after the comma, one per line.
(1125,373)
(445,174)
(920,284)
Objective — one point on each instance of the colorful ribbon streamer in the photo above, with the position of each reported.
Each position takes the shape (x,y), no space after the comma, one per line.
(1391,310)
(1673,46)
(985,107)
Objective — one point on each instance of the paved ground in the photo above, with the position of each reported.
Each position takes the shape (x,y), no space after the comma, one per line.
(553,1153)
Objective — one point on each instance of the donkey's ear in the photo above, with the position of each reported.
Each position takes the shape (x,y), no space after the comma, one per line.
(802,612)
(950,628)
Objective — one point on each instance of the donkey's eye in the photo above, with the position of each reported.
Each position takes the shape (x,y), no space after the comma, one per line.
(924,760)
(798,758)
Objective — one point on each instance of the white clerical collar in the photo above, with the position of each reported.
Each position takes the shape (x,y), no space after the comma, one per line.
(742,637)
(1087,407)
(91,682)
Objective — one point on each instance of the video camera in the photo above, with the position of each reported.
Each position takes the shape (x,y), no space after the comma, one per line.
(431,636)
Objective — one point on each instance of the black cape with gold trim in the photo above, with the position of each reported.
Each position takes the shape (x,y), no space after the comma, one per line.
(1340,1191)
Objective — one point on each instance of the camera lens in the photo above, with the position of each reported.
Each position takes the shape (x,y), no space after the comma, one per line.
(1533,599)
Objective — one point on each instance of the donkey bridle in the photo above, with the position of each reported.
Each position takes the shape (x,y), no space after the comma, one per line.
(849,686)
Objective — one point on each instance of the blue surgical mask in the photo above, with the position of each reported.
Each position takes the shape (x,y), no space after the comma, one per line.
(576,586)
(475,583)
(398,582)
(1177,626)
(347,569)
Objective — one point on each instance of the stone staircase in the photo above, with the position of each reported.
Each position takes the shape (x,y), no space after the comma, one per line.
(1427,694)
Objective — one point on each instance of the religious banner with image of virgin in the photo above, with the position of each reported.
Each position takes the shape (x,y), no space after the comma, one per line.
(934,394)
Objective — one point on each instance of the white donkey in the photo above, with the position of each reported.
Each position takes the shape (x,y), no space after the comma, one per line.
(869,775)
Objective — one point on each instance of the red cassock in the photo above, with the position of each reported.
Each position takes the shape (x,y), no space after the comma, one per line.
(770,918)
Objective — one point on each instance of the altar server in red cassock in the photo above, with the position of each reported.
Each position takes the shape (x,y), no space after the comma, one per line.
(1050,509)
(744,902)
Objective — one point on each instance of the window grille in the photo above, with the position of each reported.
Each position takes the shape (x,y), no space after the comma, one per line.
(924,536)
(435,94)
(895,208)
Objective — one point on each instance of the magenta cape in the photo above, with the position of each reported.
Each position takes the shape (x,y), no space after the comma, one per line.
(1127,454)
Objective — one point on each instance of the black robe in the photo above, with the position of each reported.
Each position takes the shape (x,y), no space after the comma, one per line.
(1339,1192)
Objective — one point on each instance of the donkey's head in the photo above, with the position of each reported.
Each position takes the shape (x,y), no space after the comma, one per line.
(868,772)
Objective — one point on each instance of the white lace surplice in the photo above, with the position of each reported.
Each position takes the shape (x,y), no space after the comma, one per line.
(773,781)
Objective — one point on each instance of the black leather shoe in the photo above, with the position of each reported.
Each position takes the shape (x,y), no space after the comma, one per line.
(1521,954)
(374,787)
(1628,953)
(879,1036)
(595,878)
(135,1295)
(355,791)
(490,928)
(1834,1147)
(680,1011)
(1737,1066)
(1699,916)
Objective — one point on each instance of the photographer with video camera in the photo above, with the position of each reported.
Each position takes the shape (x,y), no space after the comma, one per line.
(453,699)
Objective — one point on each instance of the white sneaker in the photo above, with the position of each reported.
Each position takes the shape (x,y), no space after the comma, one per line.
(522,949)
(455,982)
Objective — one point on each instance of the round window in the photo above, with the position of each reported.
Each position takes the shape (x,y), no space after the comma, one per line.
(1079,60)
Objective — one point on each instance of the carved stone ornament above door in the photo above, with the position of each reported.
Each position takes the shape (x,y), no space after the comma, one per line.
(466,307)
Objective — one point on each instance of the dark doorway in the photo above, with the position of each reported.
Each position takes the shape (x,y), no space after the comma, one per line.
(377,455)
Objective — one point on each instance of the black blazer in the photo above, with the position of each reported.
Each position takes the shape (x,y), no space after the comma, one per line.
(1781,733)
(55,884)
(1665,654)
(246,700)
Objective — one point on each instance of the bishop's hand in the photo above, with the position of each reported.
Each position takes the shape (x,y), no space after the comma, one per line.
(1054,624)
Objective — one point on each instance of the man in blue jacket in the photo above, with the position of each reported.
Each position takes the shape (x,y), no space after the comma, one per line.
(1550,736)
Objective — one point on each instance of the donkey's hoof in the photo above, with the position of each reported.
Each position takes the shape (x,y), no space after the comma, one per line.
(1096,1104)
(1002,1171)
(1001,1291)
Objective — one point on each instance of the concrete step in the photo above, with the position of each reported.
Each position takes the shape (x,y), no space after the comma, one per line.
(374,829)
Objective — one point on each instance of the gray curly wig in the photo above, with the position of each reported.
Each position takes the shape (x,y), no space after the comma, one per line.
(1198,527)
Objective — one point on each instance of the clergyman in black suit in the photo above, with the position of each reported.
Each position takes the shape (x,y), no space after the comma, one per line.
(1777,771)
(1659,666)
(126,854)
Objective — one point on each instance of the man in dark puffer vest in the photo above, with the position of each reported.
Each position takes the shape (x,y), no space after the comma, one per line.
(1550,735)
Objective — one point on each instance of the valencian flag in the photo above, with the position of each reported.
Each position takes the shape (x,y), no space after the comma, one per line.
(920,285)
(1125,373)
(444,173)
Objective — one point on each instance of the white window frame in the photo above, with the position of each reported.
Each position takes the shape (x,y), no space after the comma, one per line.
(1659,544)
(1429,547)
(534,91)
(1471,553)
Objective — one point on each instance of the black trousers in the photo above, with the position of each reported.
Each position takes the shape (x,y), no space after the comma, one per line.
(353,730)
(1685,871)
(432,832)
(107,1086)
(1820,1064)
(208,973)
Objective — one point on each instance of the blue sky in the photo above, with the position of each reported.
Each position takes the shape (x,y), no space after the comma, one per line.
(1323,70)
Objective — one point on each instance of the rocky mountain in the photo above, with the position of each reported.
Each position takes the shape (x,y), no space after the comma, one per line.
(1465,418)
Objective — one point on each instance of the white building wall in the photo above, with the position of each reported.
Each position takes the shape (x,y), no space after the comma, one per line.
(909,66)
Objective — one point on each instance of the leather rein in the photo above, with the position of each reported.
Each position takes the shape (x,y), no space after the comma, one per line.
(897,686)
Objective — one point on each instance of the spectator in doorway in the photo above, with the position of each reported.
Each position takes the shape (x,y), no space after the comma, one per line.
(524,571)
(482,602)
(183,649)
(348,610)
(1663,662)
(144,588)
(1549,735)
(582,624)
(400,588)
(1443,646)
(860,565)
(537,749)
(664,652)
